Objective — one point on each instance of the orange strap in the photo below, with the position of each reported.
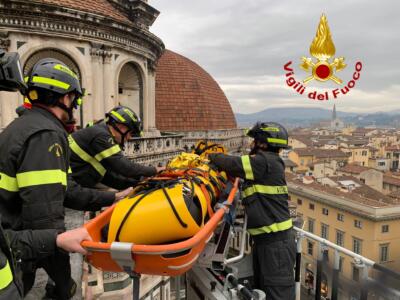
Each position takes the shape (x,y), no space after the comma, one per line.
(208,200)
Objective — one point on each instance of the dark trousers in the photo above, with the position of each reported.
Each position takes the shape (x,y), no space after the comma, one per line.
(59,270)
(274,256)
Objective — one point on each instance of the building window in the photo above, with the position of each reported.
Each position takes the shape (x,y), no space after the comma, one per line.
(325,211)
(341,262)
(381,164)
(385,228)
(324,231)
(364,153)
(357,246)
(311,206)
(340,217)
(340,238)
(357,224)
(310,248)
(299,201)
(356,273)
(384,252)
(289,198)
(311,225)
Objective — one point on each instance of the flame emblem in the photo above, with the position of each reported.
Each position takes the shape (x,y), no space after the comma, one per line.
(322,48)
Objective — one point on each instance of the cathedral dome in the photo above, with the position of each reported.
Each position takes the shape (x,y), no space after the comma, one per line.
(188,98)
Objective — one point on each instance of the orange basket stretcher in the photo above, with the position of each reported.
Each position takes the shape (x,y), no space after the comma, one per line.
(166,260)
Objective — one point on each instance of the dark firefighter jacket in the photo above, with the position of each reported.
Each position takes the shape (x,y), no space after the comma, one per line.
(17,247)
(95,157)
(265,194)
(34,186)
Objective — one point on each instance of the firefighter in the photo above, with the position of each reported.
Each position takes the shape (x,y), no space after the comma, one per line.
(18,247)
(265,199)
(96,151)
(34,162)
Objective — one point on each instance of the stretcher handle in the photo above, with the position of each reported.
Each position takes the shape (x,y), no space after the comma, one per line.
(163,249)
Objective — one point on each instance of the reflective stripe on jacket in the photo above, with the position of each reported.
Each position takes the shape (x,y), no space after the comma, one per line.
(265,193)
(6,276)
(95,153)
(34,162)
(33,168)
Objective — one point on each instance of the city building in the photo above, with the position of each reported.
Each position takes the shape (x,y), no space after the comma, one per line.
(353,216)
(307,157)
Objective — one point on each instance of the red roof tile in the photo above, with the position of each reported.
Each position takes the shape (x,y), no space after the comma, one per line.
(321,153)
(395,148)
(353,169)
(99,7)
(363,194)
(391,180)
(188,98)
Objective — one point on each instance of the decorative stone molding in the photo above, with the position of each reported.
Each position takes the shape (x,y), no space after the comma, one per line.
(102,51)
(158,150)
(42,19)
(4,40)
(154,150)
(233,139)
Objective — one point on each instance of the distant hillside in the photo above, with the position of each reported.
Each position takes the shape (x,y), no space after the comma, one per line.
(379,119)
(303,116)
(291,115)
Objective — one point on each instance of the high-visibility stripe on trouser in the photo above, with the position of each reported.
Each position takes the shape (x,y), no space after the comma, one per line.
(108,152)
(85,156)
(6,276)
(247,167)
(32,178)
(265,189)
(8,183)
(271,228)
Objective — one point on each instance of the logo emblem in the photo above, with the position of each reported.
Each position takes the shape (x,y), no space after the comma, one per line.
(322,67)
(57,149)
(322,48)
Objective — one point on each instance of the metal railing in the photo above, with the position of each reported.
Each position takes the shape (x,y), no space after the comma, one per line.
(366,283)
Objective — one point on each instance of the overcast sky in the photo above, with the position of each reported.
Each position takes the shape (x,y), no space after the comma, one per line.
(244,45)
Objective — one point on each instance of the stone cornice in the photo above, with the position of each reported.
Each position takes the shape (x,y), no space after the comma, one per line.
(375,214)
(38,18)
(137,11)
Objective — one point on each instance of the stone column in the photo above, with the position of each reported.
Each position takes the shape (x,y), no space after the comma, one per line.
(97,98)
(145,87)
(150,104)
(108,80)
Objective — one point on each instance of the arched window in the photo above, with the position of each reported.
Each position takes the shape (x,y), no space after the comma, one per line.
(61,56)
(130,88)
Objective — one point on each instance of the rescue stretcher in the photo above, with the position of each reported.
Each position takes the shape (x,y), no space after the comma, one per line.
(170,259)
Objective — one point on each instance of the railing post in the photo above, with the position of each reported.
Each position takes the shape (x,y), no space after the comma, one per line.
(178,287)
(364,280)
(319,272)
(335,276)
(297,276)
